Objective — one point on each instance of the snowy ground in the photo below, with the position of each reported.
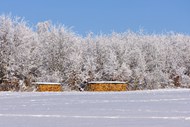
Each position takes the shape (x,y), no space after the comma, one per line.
(158,108)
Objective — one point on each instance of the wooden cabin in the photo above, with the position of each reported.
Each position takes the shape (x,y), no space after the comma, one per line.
(107,86)
(9,85)
(48,87)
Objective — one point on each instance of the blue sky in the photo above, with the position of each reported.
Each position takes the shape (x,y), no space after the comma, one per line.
(105,16)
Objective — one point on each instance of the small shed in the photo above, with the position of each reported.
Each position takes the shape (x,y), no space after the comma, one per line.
(48,87)
(107,86)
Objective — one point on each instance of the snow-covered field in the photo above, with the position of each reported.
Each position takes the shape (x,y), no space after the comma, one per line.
(158,108)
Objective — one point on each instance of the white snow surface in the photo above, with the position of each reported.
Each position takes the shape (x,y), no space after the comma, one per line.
(49,83)
(104,82)
(156,108)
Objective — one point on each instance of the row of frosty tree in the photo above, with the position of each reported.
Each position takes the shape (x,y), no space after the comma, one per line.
(54,53)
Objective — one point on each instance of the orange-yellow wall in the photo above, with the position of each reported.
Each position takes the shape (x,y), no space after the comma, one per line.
(107,87)
(49,88)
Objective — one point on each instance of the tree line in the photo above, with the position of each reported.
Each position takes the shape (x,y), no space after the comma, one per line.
(54,53)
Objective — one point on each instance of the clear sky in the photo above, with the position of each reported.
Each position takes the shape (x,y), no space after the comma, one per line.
(105,16)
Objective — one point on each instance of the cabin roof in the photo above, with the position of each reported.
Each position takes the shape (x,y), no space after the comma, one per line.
(46,83)
(106,82)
